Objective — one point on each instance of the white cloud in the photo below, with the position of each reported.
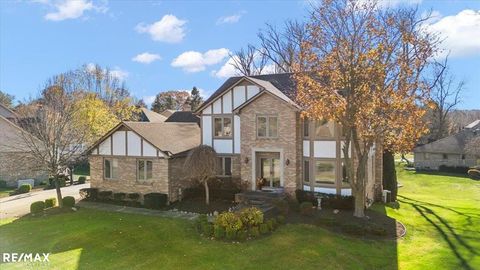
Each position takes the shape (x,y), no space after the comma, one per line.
(230,19)
(461,33)
(119,73)
(146,58)
(148,100)
(193,61)
(169,29)
(70,9)
(204,93)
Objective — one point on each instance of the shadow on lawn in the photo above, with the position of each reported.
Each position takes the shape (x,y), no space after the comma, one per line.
(455,241)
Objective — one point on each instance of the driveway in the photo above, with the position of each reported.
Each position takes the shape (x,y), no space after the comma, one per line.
(19,205)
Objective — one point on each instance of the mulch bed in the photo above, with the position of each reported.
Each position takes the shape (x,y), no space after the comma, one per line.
(197,205)
(394,229)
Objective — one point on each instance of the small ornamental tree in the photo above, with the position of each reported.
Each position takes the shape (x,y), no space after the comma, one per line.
(201,166)
(362,66)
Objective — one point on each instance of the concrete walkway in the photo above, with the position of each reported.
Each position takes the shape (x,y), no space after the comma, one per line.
(19,205)
(135,210)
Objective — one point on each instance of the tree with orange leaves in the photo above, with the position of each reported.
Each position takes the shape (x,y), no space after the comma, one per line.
(362,67)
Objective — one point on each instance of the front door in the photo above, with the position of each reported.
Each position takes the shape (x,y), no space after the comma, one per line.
(270,169)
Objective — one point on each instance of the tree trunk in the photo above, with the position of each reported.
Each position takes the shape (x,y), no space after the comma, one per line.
(207,192)
(71,175)
(59,192)
(390,174)
(359,205)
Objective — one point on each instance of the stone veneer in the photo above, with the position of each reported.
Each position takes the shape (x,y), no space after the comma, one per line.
(288,139)
(167,176)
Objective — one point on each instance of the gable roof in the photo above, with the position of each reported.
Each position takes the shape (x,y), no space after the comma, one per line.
(7,112)
(151,116)
(279,83)
(183,117)
(167,113)
(453,144)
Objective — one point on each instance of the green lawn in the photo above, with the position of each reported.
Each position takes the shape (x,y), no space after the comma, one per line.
(441,213)
(5,192)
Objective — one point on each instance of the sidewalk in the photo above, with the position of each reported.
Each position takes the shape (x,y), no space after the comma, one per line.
(135,210)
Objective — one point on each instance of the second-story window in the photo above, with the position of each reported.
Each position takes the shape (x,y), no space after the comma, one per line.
(267,126)
(324,129)
(223,127)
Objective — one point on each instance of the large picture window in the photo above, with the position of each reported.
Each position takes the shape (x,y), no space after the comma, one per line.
(224,166)
(144,170)
(267,126)
(306,171)
(324,172)
(223,127)
(324,129)
(110,167)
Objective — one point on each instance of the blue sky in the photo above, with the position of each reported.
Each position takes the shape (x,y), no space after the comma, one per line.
(169,45)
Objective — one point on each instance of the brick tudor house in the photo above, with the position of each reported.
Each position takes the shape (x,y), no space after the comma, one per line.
(255,127)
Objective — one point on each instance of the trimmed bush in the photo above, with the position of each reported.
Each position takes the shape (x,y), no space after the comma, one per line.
(25,188)
(3,184)
(207,229)
(271,223)
(242,235)
(218,232)
(105,195)
(155,200)
(82,179)
(230,234)
(251,216)
(119,196)
(37,207)
(282,206)
(264,228)
(133,196)
(229,221)
(306,208)
(68,201)
(62,180)
(306,196)
(353,229)
(50,202)
(90,194)
(281,219)
(254,232)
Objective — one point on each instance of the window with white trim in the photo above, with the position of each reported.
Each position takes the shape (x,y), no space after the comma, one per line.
(110,167)
(267,126)
(144,170)
(222,126)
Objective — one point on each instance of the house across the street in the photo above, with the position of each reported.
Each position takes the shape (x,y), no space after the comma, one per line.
(254,125)
(449,151)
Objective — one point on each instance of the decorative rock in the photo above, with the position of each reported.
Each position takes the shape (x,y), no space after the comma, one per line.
(74,209)
(336,211)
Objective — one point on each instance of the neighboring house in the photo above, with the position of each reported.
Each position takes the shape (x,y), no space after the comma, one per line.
(183,117)
(15,163)
(7,113)
(167,113)
(143,157)
(255,127)
(448,151)
(147,115)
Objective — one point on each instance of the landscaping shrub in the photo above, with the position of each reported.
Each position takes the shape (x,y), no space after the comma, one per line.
(229,221)
(353,229)
(453,169)
(82,179)
(271,223)
(199,221)
(281,219)
(306,196)
(264,228)
(215,193)
(242,235)
(474,174)
(3,184)
(133,196)
(25,188)
(155,200)
(105,195)
(68,201)
(50,202)
(37,207)
(327,221)
(337,202)
(230,234)
(282,206)
(251,216)
(207,229)
(90,194)
(119,196)
(306,208)
(254,232)
(62,180)
(218,232)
